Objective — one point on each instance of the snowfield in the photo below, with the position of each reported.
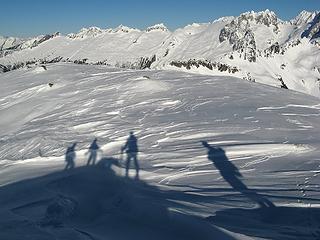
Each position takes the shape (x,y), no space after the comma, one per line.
(220,158)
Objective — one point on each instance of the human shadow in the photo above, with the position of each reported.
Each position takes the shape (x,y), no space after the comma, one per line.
(231,174)
(131,148)
(93,201)
(93,152)
(108,162)
(70,156)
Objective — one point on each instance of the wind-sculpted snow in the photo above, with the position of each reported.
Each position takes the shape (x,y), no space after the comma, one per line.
(213,151)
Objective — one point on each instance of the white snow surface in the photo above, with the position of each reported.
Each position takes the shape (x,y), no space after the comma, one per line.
(269,135)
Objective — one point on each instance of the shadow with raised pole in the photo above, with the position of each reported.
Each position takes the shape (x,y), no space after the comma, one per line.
(231,175)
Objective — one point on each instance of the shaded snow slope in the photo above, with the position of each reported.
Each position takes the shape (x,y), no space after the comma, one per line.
(265,139)
(93,203)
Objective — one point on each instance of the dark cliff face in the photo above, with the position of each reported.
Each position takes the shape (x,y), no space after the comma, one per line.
(222,67)
(313,31)
(240,35)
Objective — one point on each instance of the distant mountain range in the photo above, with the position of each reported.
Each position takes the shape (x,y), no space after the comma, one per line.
(256,46)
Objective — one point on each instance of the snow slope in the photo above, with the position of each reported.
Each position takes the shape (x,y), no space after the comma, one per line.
(184,123)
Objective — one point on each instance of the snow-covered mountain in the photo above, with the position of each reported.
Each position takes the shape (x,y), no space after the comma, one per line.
(9,42)
(9,45)
(303,18)
(256,46)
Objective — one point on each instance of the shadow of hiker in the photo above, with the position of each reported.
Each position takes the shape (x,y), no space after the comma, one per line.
(231,174)
(93,152)
(131,148)
(70,156)
(108,162)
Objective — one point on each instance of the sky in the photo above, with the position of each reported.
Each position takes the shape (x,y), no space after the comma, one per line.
(22,18)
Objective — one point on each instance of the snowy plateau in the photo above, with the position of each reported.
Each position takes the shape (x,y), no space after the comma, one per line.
(227,120)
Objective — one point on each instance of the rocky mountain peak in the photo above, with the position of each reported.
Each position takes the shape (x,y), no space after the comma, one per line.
(86,32)
(266,17)
(157,27)
(125,29)
(303,17)
(239,32)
